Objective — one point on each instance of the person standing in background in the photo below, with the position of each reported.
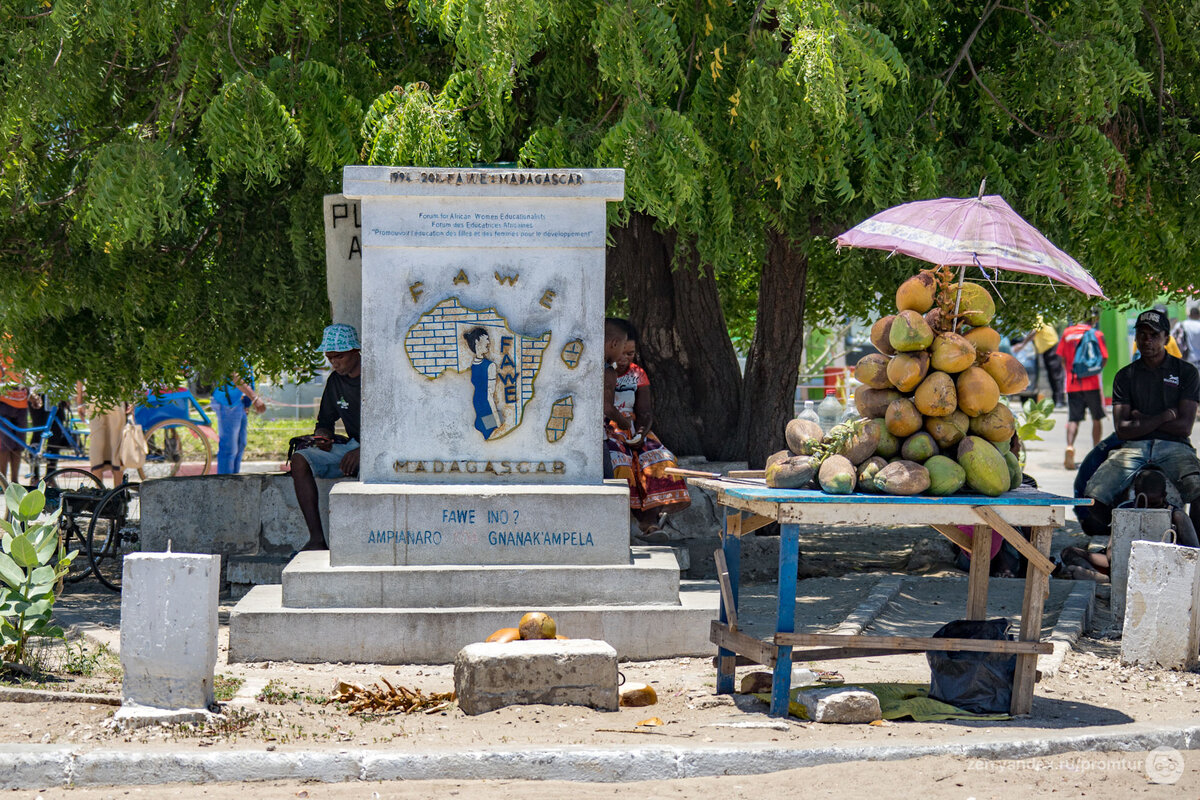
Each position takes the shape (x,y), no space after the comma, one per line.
(1083,392)
(1045,341)
(14,405)
(1187,334)
(231,403)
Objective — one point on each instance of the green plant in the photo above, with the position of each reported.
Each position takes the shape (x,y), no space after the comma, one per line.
(1034,417)
(31,565)
(226,686)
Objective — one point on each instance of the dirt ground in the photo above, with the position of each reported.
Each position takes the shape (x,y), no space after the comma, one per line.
(284,706)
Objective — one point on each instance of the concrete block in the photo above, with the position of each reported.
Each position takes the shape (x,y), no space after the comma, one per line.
(837,704)
(1130,525)
(1162,610)
(283,528)
(310,582)
(255,570)
(202,514)
(578,672)
(408,524)
(169,629)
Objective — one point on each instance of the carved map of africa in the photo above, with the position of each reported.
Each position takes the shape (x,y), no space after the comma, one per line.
(502,365)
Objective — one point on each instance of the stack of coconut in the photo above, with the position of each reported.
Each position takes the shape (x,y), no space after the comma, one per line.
(930,401)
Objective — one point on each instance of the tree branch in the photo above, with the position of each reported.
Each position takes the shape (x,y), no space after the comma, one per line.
(1162,65)
(998,102)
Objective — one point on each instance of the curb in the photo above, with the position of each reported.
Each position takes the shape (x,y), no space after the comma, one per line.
(1073,620)
(883,593)
(33,766)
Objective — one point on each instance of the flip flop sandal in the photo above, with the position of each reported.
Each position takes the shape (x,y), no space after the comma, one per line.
(652,535)
(830,678)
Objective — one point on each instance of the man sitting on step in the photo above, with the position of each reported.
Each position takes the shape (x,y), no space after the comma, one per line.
(325,458)
(1154,407)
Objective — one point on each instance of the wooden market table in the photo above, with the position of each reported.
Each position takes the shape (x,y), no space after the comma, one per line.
(749,507)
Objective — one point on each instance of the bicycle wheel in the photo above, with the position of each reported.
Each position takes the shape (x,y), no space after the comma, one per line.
(115,531)
(76,491)
(176,446)
(70,479)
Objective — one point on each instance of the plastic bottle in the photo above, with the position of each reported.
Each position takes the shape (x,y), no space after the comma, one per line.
(850,414)
(809,413)
(830,410)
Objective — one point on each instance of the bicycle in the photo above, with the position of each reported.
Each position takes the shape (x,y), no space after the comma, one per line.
(77,494)
(174,439)
(56,440)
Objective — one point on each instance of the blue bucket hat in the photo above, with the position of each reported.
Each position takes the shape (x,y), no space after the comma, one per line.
(338,338)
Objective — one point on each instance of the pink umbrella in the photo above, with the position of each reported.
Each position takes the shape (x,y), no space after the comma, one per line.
(983,231)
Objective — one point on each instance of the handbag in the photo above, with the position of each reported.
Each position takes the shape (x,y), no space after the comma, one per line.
(132,450)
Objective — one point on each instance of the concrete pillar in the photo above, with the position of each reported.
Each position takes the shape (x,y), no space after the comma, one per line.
(169,629)
(1130,525)
(1162,610)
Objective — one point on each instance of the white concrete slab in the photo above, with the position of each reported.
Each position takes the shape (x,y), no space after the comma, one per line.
(1162,609)
(651,579)
(261,629)
(1131,525)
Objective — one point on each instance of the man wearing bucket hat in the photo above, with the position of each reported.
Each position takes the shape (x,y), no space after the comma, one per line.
(1154,407)
(325,458)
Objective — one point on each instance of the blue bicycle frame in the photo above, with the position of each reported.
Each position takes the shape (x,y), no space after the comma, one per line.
(72,450)
(172,405)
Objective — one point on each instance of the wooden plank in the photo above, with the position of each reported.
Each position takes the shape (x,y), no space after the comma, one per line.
(789,564)
(756,650)
(1008,500)
(755,521)
(726,588)
(1037,584)
(955,535)
(726,661)
(981,565)
(913,643)
(835,653)
(879,514)
(1014,537)
(733,522)
(747,473)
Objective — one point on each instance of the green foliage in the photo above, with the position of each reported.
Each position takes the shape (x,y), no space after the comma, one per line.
(163,164)
(1035,416)
(32,563)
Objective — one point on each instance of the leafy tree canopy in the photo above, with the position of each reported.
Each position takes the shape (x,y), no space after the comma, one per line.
(163,163)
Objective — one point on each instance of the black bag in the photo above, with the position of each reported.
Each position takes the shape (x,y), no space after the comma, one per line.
(305,442)
(976,682)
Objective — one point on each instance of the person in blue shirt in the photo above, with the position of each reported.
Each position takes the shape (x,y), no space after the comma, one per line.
(230,404)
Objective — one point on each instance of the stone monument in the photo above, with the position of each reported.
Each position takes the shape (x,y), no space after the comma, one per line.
(481,493)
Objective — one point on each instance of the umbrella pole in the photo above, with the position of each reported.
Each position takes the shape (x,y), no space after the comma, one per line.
(962,272)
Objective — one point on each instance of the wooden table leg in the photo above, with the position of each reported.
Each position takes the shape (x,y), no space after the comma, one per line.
(981,565)
(1037,584)
(789,564)
(732,547)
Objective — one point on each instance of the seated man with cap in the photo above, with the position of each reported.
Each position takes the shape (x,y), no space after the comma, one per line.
(325,458)
(1154,406)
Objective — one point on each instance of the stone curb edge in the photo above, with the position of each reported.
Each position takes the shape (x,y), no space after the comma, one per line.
(1073,620)
(881,594)
(43,768)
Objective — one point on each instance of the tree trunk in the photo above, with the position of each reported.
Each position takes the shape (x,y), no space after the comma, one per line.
(685,346)
(773,362)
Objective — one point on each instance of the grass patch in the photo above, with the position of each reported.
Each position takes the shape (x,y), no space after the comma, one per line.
(267,440)
(225,687)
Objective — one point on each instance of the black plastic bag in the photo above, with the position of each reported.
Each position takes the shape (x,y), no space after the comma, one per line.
(976,682)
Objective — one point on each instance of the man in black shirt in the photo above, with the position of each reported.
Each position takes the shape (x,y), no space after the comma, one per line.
(1154,406)
(342,399)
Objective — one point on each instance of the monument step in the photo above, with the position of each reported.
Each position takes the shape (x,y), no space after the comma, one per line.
(651,578)
(262,629)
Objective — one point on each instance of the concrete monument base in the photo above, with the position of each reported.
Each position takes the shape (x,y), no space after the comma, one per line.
(412,524)
(262,628)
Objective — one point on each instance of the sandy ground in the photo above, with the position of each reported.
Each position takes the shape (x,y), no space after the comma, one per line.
(284,706)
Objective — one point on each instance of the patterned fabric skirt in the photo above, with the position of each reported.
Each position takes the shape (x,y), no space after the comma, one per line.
(642,466)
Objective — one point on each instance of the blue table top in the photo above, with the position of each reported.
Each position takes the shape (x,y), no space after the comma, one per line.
(1018,497)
